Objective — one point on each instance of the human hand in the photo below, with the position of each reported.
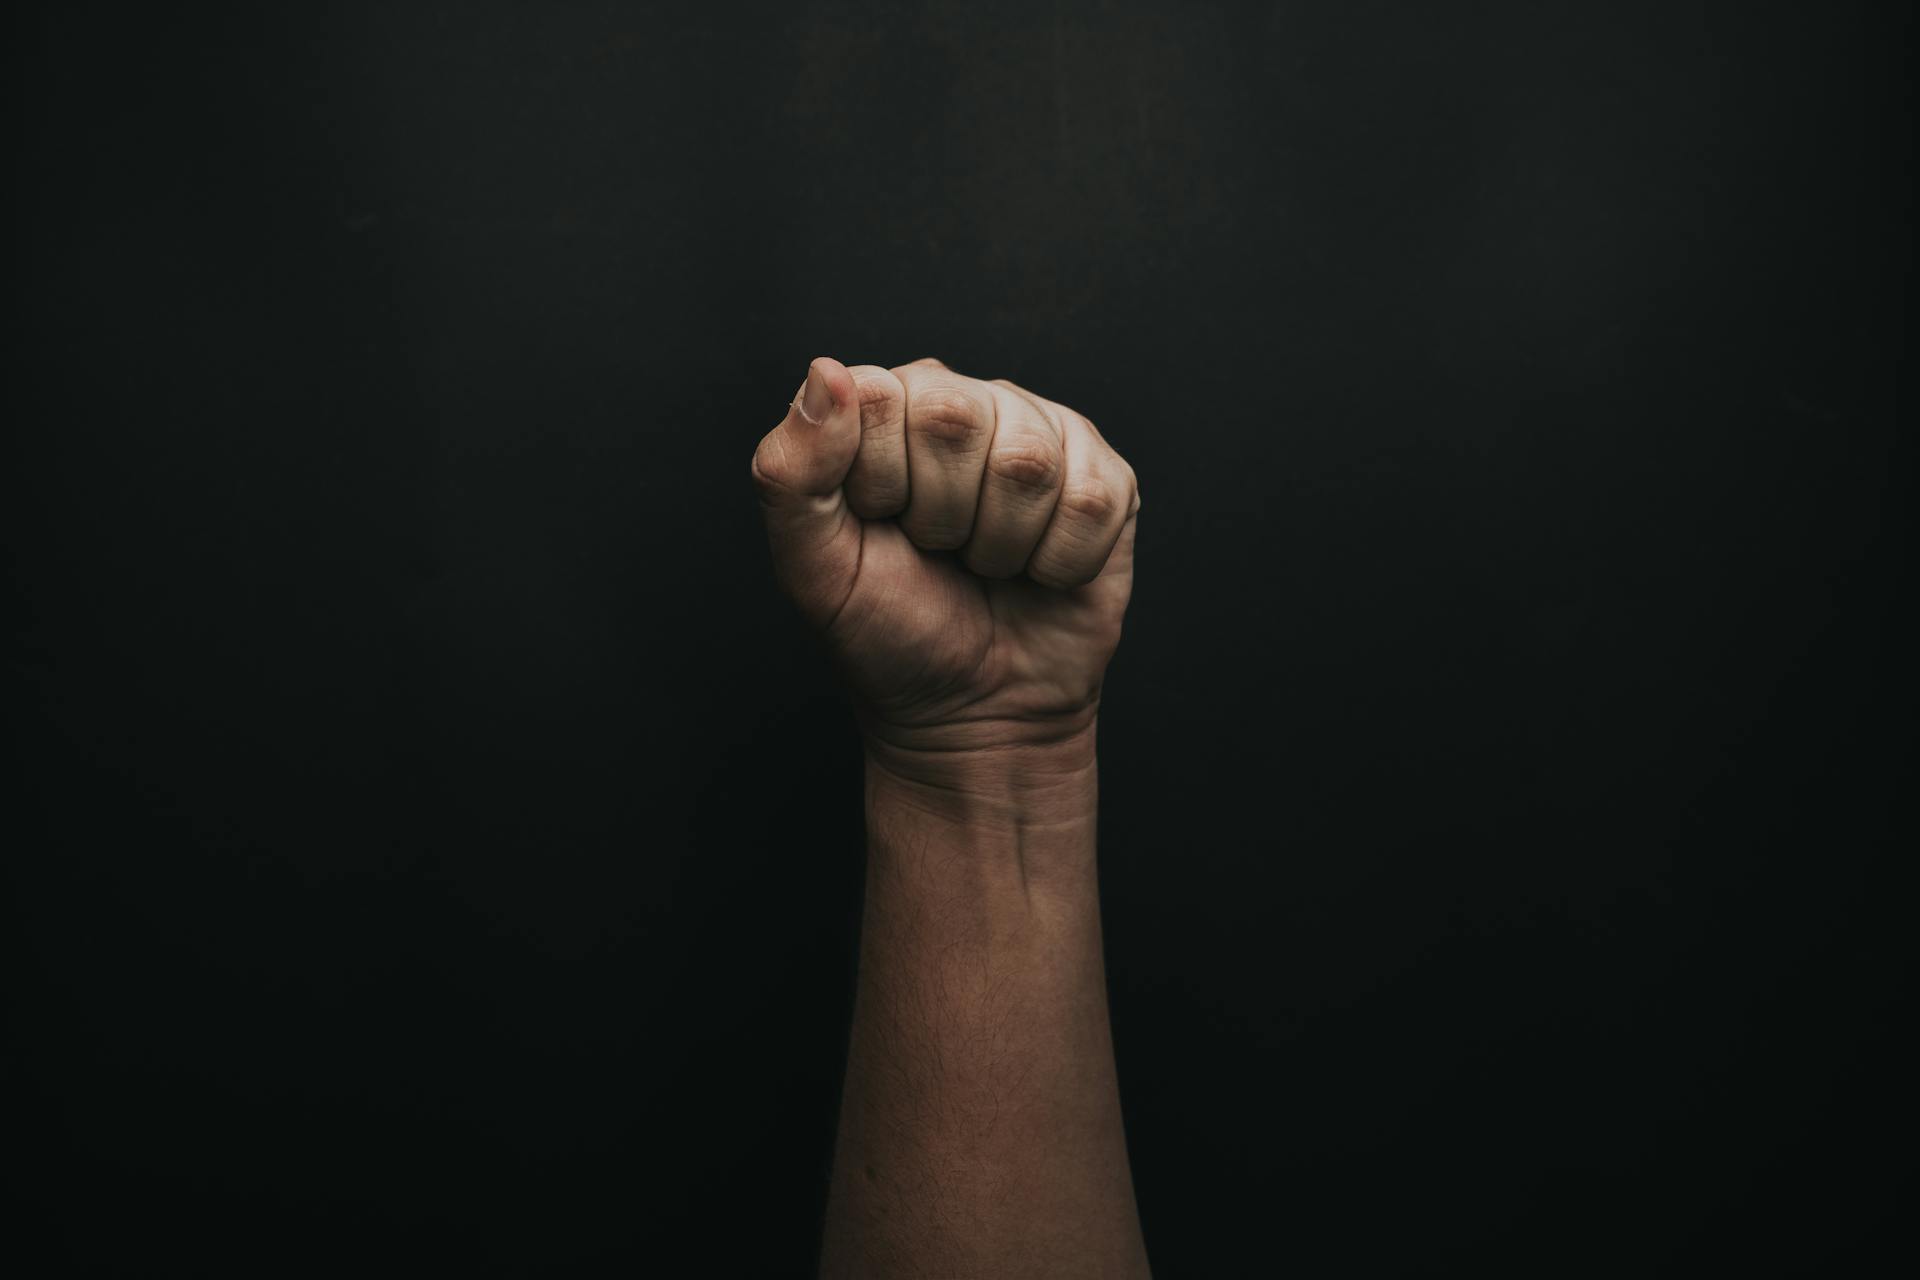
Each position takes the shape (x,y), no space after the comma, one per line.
(965,546)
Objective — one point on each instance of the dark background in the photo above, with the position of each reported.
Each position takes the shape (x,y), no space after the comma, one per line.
(439,847)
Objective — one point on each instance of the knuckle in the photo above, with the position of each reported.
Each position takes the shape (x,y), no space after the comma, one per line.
(948,415)
(879,393)
(1026,464)
(1089,499)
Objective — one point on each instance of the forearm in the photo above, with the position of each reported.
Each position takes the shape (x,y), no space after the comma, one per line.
(980,1131)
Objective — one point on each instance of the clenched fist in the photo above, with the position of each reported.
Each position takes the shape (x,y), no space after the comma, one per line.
(965,546)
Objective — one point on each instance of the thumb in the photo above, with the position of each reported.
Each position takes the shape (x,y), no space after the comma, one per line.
(798,470)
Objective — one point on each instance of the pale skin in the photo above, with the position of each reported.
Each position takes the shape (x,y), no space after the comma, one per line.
(966,549)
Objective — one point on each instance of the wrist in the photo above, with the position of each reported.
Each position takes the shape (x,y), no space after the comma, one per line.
(1022,776)
(1005,818)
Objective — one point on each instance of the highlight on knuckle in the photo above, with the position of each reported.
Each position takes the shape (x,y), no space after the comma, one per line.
(1089,500)
(1029,465)
(948,416)
(881,401)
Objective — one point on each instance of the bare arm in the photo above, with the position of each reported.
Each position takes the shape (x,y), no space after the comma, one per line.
(980,1132)
(967,547)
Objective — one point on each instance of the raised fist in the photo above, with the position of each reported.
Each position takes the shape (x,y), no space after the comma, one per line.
(965,546)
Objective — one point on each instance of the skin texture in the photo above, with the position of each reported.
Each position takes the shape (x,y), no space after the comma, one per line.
(966,549)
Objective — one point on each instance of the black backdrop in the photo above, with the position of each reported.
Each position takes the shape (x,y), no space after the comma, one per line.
(441,847)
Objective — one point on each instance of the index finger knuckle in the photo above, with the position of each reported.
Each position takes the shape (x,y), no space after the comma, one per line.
(947,415)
